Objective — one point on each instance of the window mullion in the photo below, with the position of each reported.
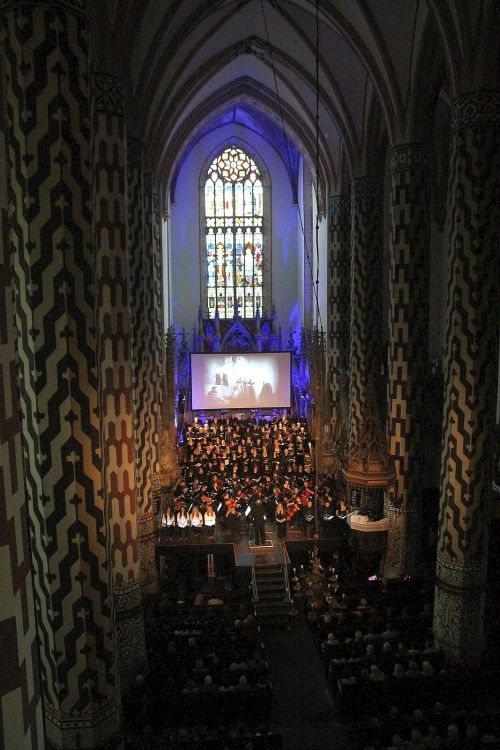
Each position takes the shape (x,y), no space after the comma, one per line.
(233,193)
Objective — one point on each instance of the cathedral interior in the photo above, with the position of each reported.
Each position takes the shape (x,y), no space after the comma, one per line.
(188,176)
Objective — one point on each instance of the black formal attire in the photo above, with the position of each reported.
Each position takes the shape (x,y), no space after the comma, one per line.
(281,525)
(259,523)
(308,521)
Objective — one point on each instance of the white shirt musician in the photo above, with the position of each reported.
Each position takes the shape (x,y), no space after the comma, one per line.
(196,520)
(168,522)
(210,520)
(182,522)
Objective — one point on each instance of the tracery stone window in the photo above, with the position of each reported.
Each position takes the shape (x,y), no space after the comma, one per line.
(235,229)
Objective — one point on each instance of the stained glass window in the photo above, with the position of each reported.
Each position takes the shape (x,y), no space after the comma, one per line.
(234,208)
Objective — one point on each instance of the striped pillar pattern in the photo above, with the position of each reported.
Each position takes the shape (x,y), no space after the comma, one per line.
(21,719)
(408,346)
(145,288)
(158,337)
(366,298)
(47,100)
(115,368)
(339,296)
(471,361)
(148,383)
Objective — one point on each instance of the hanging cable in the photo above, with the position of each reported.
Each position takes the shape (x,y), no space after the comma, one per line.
(318,311)
(290,166)
(314,283)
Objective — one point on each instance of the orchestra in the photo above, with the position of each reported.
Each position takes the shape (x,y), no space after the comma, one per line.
(231,466)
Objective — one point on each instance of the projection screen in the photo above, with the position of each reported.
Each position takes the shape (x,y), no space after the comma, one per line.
(241,381)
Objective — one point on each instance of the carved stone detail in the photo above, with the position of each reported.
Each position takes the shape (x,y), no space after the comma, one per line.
(107,92)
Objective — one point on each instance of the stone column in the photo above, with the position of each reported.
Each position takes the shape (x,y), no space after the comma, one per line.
(144,322)
(115,369)
(339,298)
(47,100)
(470,375)
(408,349)
(308,248)
(21,718)
(366,299)
(158,337)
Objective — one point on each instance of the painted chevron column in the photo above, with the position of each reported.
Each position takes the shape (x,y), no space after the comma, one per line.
(151,390)
(339,297)
(21,717)
(408,346)
(115,369)
(471,361)
(142,281)
(366,291)
(158,338)
(47,100)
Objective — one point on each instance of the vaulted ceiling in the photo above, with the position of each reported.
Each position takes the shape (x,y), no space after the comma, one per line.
(372,69)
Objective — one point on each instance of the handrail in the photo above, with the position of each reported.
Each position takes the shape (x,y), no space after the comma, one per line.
(285,575)
(254,584)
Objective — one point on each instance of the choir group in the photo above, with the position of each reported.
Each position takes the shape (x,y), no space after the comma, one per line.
(239,471)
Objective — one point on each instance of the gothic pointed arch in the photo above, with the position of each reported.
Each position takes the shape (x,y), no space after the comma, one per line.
(291,134)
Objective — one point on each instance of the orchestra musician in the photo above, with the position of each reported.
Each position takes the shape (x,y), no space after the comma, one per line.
(343,511)
(182,521)
(307,493)
(196,521)
(233,521)
(281,521)
(308,520)
(168,522)
(327,516)
(293,503)
(210,521)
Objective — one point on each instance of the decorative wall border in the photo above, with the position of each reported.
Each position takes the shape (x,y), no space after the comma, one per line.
(455,578)
(409,156)
(340,204)
(481,109)
(366,187)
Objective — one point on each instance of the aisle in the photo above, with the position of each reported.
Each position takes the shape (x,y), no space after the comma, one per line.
(302,706)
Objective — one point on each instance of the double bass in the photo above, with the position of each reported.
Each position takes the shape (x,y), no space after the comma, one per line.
(292,504)
(291,510)
(306,495)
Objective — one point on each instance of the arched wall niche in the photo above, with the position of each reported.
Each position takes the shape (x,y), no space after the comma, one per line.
(185,236)
(256,98)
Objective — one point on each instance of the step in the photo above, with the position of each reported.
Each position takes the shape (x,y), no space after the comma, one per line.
(277,607)
(278,591)
(265,585)
(269,583)
(267,598)
(268,574)
(267,569)
(274,621)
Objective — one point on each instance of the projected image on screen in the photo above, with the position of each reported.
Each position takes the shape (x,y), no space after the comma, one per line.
(240,381)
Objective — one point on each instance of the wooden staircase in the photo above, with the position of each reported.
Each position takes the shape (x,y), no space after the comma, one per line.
(271,594)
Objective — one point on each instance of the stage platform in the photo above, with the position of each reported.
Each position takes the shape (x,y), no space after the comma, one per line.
(243,551)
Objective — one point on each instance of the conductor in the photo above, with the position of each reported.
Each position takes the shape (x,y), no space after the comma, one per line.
(259,522)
